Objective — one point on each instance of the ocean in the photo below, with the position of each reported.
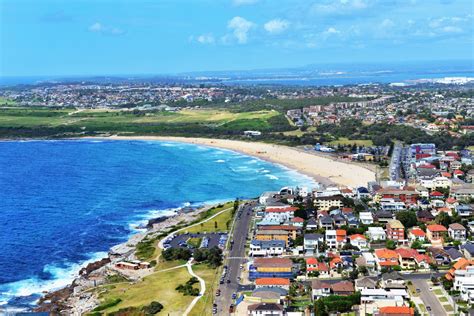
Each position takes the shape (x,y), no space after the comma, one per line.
(65,203)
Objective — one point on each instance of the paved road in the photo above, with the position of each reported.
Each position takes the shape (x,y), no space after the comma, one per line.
(234,258)
(428,297)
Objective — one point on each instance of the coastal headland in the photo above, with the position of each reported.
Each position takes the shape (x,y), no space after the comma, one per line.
(321,169)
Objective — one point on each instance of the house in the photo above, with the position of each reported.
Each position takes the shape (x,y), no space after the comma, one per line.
(416,234)
(374,299)
(468,250)
(311,242)
(280,213)
(369,260)
(362,193)
(311,224)
(359,241)
(344,288)
(313,265)
(365,283)
(406,257)
(265,309)
(283,283)
(271,268)
(396,311)
(335,238)
(376,234)
(297,221)
(464,210)
(392,205)
(435,233)
(386,258)
(395,230)
(457,232)
(264,248)
(326,222)
(392,280)
(383,216)
(339,221)
(424,216)
(463,193)
(439,255)
(423,262)
(320,289)
(454,254)
(366,218)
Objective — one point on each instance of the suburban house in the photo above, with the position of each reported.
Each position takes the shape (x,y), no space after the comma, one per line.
(376,234)
(416,233)
(271,268)
(272,235)
(386,258)
(311,243)
(435,233)
(396,311)
(359,241)
(406,257)
(320,289)
(457,232)
(366,218)
(328,202)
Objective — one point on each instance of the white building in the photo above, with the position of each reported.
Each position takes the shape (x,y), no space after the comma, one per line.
(366,218)
(376,234)
(464,283)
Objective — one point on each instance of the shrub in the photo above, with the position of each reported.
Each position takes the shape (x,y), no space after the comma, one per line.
(107,304)
(153,308)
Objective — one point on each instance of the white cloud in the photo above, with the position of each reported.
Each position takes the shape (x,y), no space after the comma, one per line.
(340,6)
(276,26)
(240,28)
(98,27)
(332,30)
(206,39)
(243,2)
(387,23)
(451,29)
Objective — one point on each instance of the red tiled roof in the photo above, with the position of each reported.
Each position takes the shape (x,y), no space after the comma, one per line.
(298,219)
(355,236)
(436,193)
(272,281)
(436,228)
(281,210)
(407,252)
(312,261)
(418,232)
(397,310)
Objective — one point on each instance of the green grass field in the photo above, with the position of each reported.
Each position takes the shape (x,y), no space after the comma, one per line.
(6,102)
(210,226)
(211,277)
(159,286)
(347,141)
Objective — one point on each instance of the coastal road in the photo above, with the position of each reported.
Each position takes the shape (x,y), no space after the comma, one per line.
(235,257)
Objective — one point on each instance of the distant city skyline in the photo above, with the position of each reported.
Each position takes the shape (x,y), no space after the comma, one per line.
(83,37)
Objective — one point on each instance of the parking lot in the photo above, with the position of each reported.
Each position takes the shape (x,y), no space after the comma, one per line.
(208,240)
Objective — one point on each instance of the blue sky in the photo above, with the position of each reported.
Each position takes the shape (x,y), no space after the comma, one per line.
(98,37)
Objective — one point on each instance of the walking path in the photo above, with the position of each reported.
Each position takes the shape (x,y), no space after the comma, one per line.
(201,282)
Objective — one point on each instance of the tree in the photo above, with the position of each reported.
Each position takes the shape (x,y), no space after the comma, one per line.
(390,244)
(407,218)
(443,219)
(154,308)
(416,244)
(215,224)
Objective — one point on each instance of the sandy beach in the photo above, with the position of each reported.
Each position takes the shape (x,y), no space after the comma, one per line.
(321,169)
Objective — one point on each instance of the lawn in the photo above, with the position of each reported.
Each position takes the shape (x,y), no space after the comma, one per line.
(6,102)
(443,299)
(438,292)
(448,308)
(217,224)
(159,286)
(347,141)
(211,277)
(194,242)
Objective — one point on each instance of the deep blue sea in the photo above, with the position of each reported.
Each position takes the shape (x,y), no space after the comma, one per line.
(63,203)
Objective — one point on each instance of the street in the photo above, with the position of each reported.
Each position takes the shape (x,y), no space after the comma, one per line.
(428,297)
(234,258)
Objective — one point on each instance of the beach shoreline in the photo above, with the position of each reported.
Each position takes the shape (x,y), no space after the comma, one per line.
(322,169)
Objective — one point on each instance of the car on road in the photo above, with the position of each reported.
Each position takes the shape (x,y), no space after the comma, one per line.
(428,308)
(418,290)
(234,296)
(228,281)
(218,292)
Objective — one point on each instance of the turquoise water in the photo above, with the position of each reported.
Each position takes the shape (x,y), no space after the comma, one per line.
(64,203)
